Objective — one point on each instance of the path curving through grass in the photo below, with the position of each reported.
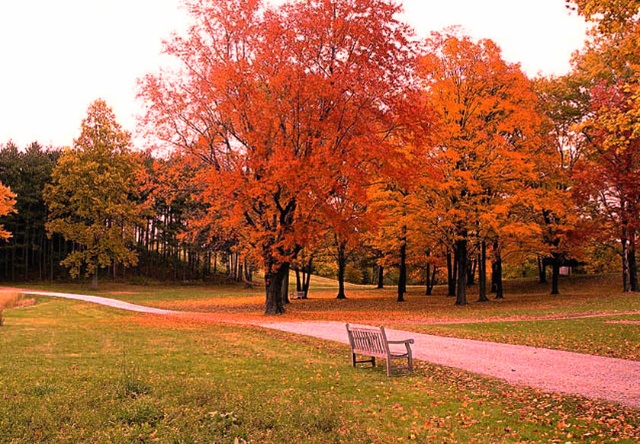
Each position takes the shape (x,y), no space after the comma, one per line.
(102,301)
(590,376)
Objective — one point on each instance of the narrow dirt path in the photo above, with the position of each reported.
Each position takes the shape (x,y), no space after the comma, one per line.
(551,370)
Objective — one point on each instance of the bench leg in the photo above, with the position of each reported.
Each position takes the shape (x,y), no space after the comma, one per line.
(409,367)
(355,361)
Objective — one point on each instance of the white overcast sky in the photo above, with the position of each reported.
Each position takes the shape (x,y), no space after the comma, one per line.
(57,56)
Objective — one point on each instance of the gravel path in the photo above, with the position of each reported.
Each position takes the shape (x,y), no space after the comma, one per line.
(594,377)
(102,301)
(591,376)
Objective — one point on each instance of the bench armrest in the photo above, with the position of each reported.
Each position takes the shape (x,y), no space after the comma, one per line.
(406,341)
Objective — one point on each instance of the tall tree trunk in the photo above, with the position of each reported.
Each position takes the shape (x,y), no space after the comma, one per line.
(633,263)
(496,268)
(482,273)
(542,270)
(27,246)
(342,265)
(51,248)
(461,260)
(41,256)
(5,259)
(555,273)
(402,279)
(13,255)
(427,281)
(451,274)
(298,280)
(306,280)
(431,279)
(285,283)
(626,281)
(380,279)
(273,277)
(494,284)
(471,272)
(248,272)
(206,265)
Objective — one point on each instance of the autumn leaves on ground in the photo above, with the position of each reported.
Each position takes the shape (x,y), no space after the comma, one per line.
(320,135)
(588,317)
(76,372)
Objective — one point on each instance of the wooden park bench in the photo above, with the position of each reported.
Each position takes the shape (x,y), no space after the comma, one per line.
(373,342)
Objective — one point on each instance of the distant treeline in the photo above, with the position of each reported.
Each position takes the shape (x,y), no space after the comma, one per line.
(32,254)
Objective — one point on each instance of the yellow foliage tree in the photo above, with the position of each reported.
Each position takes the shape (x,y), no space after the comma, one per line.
(92,198)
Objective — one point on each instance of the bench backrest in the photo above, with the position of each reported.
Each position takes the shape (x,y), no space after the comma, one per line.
(368,340)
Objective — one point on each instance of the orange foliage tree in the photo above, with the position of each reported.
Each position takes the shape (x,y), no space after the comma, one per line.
(565,101)
(393,207)
(610,16)
(487,145)
(347,218)
(284,99)
(391,202)
(608,175)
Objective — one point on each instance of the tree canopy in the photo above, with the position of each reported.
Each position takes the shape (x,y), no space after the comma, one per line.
(323,134)
(284,101)
(92,197)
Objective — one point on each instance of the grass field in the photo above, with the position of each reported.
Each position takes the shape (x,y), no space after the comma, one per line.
(76,372)
(590,315)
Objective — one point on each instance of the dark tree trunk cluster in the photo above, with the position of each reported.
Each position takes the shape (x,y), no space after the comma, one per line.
(29,254)
(459,266)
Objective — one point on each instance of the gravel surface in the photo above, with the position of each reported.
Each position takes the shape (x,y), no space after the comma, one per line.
(102,301)
(552,370)
(594,377)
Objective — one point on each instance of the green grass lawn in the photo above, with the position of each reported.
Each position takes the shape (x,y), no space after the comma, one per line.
(528,315)
(77,372)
